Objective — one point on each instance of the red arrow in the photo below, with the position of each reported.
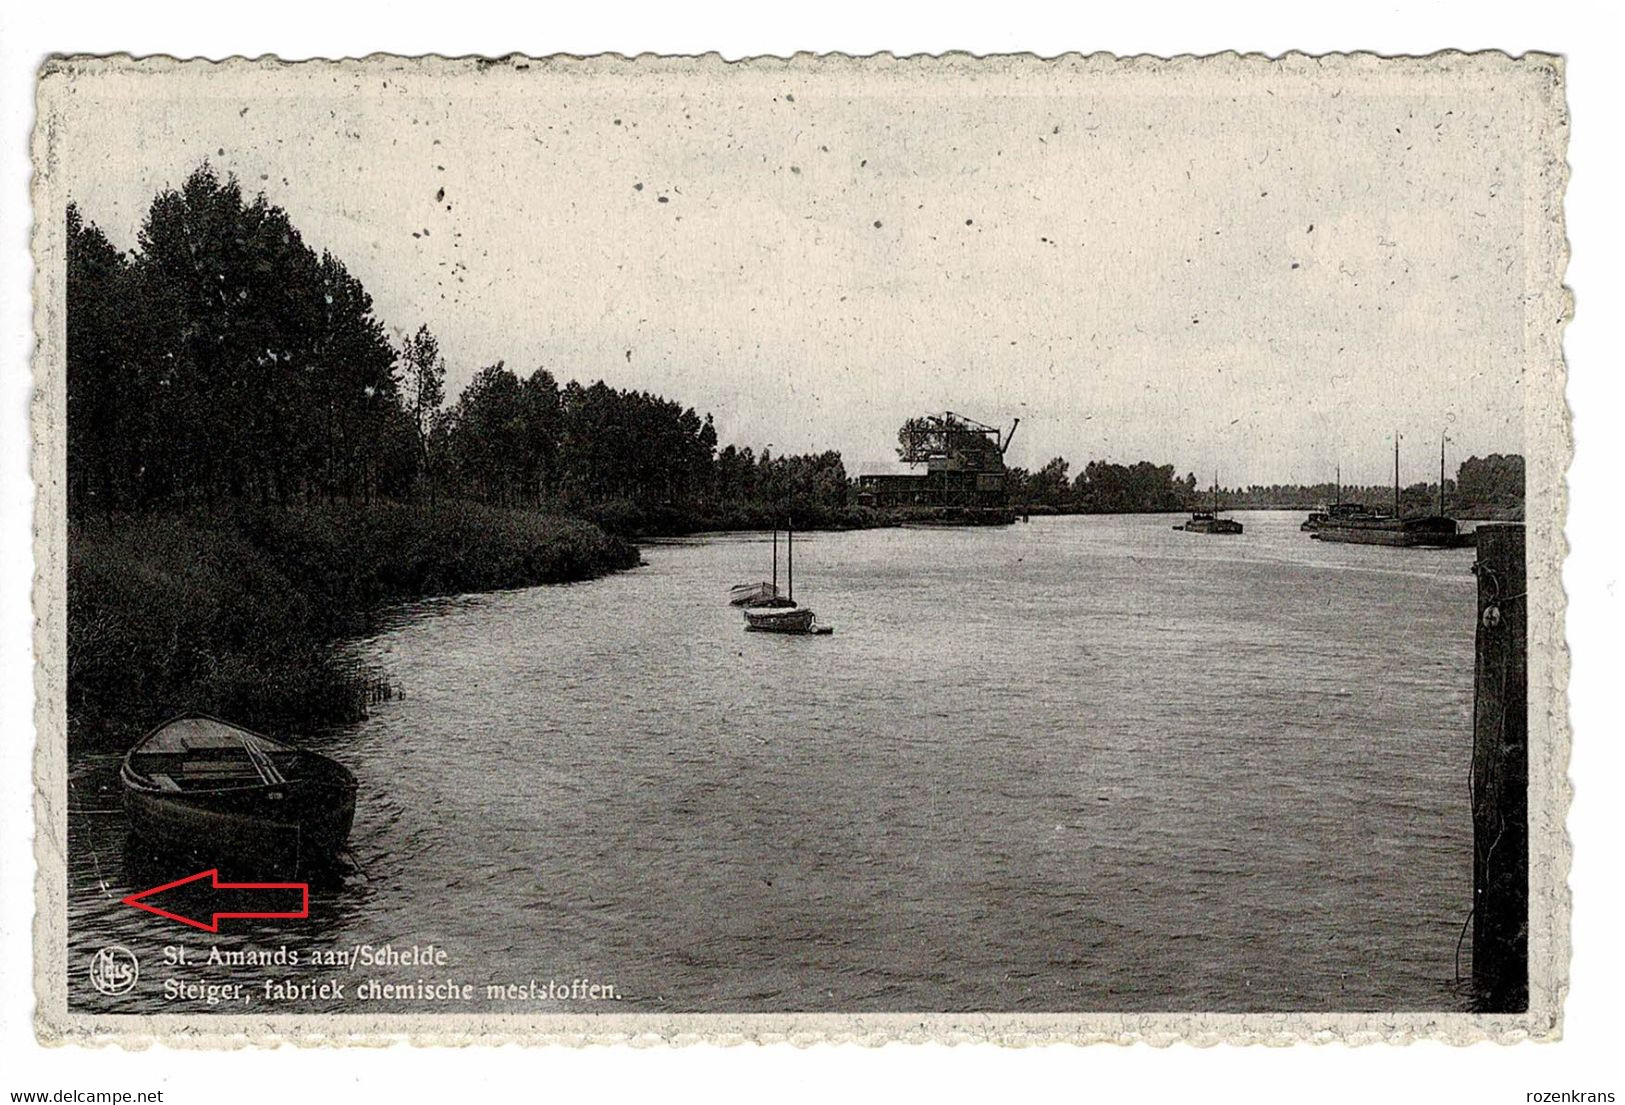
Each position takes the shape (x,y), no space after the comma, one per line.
(139,901)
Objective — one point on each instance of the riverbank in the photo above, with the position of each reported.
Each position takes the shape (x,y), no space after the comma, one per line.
(1477,513)
(806,517)
(237,612)
(627,520)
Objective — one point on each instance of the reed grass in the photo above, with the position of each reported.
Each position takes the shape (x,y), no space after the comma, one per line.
(240,612)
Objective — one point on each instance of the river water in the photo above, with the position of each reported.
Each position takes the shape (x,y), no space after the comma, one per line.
(1085,763)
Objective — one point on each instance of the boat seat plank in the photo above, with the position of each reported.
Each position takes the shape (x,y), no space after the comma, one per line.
(219,771)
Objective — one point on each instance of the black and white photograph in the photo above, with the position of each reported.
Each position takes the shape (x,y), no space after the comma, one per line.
(991,545)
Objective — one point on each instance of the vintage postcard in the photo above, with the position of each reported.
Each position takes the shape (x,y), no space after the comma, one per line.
(595,549)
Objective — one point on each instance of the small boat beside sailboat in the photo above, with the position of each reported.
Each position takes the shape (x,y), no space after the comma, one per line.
(205,787)
(766,593)
(771,612)
(753,594)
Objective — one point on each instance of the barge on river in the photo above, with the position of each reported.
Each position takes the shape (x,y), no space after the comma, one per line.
(1337,514)
(1208,521)
(1431,532)
(1354,524)
(203,787)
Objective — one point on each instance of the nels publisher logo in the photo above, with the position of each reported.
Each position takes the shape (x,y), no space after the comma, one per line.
(114,969)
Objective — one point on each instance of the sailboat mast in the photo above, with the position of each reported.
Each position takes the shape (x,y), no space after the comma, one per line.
(1215,491)
(1396,473)
(1339,484)
(1441,475)
(775,559)
(790,552)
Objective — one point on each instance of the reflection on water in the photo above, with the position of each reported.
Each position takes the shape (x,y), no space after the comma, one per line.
(1082,764)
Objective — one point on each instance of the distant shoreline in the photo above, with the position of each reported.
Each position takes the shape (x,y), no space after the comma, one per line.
(1509,514)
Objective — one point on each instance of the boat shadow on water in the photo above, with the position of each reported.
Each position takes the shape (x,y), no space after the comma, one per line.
(147,865)
(325,896)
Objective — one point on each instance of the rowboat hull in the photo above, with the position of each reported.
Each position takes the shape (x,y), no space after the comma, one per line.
(302,822)
(211,790)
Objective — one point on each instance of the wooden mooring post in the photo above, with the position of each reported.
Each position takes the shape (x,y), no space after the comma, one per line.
(1500,775)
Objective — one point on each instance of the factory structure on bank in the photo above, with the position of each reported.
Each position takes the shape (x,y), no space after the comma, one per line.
(964,479)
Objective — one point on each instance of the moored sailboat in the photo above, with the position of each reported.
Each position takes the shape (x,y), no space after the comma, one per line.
(783,615)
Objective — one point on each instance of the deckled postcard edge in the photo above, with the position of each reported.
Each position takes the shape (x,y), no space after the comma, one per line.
(1548,445)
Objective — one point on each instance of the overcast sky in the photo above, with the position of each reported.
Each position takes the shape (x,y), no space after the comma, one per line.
(1267,282)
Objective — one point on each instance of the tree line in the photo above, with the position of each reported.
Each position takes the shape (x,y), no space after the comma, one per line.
(1101,488)
(1489,487)
(1484,488)
(225,359)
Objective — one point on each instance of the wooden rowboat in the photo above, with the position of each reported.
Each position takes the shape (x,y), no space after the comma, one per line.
(757,594)
(741,594)
(208,788)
